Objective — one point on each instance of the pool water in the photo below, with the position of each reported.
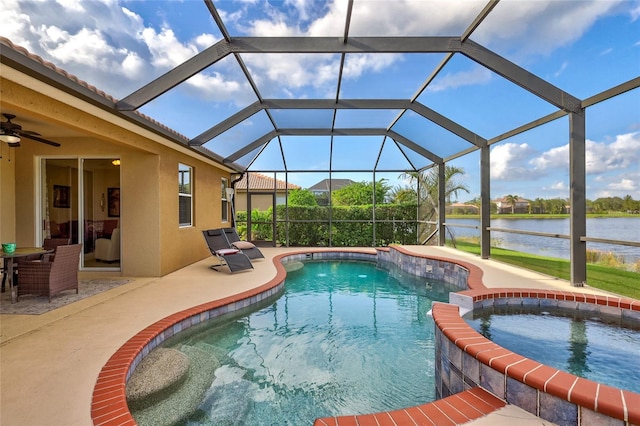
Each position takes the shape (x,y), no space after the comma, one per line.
(344,338)
(597,347)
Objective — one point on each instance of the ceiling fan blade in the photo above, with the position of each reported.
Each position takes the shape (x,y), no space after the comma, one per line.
(30,132)
(36,138)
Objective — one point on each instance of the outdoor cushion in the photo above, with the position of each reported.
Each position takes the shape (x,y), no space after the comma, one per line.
(243,245)
(224,252)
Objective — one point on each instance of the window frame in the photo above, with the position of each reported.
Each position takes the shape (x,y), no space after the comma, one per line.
(185,170)
(224,205)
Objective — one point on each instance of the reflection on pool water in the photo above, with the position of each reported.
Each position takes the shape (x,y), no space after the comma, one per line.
(345,338)
(593,346)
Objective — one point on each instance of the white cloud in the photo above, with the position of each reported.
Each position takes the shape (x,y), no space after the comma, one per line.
(625,185)
(559,186)
(601,157)
(539,27)
(302,7)
(80,37)
(332,22)
(509,161)
(166,51)
(477,75)
(399,17)
(561,69)
(635,13)
(75,5)
(555,158)
(272,29)
(204,41)
(622,153)
(356,65)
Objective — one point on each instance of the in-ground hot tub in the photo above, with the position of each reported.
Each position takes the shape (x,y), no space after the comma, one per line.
(594,346)
(467,359)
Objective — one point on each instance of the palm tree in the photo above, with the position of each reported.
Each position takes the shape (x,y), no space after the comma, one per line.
(512,199)
(538,204)
(627,203)
(427,183)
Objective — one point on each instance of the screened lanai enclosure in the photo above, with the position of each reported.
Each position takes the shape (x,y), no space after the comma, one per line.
(392,93)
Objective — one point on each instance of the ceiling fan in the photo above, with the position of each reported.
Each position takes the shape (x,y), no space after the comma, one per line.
(11,133)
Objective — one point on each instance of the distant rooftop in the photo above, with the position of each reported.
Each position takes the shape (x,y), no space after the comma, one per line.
(334,184)
(261,182)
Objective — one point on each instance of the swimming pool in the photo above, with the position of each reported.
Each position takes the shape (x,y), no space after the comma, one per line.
(345,337)
(594,346)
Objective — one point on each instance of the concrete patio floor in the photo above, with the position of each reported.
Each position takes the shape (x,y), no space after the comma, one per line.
(49,363)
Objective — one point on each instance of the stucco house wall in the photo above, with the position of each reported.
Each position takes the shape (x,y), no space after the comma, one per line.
(153,243)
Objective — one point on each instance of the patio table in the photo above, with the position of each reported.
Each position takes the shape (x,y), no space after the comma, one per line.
(8,263)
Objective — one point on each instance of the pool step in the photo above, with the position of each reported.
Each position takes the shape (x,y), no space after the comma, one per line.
(453,410)
(158,375)
(179,396)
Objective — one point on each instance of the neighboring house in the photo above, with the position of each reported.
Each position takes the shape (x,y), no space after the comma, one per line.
(111,170)
(504,206)
(461,208)
(323,186)
(261,189)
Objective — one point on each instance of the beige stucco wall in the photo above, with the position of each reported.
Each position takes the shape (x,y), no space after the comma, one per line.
(7,195)
(260,201)
(152,242)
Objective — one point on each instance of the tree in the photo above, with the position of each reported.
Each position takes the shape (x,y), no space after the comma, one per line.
(403,195)
(360,193)
(512,199)
(428,183)
(555,206)
(302,197)
(628,204)
(538,205)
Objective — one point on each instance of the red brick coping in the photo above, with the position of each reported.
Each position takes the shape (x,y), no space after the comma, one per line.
(453,410)
(607,400)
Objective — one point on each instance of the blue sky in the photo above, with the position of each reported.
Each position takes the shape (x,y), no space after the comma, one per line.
(582,47)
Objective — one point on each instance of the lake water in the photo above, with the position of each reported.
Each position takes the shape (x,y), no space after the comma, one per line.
(623,228)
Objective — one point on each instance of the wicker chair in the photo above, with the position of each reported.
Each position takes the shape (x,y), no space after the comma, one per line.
(50,278)
(52,244)
(49,244)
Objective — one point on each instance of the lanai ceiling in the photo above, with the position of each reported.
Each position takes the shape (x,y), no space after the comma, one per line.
(319,126)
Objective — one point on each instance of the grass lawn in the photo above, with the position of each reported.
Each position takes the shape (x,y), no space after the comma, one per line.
(624,283)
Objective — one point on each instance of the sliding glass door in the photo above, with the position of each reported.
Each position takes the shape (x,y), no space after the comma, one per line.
(80,201)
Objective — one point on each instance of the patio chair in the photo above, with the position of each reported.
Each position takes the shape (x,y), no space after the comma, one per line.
(50,278)
(49,244)
(247,248)
(218,245)
(52,244)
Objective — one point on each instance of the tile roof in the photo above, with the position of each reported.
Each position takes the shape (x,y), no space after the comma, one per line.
(6,43)
(336,184)
(259,181)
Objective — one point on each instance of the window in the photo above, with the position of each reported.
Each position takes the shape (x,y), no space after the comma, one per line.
(225,202)
(185,195)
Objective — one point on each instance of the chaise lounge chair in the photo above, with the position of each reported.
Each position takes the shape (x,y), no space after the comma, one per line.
(247,248)
(218,245)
